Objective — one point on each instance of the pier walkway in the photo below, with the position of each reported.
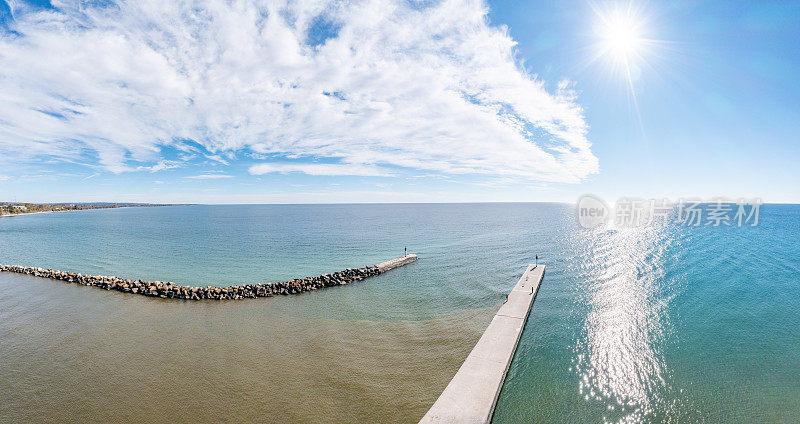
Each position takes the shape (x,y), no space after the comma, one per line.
(396,262)
(472,394)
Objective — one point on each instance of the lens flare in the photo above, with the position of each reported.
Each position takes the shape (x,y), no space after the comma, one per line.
(624,43)
(620,36)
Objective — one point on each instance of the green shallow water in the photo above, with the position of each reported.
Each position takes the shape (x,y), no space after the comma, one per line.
(641,325)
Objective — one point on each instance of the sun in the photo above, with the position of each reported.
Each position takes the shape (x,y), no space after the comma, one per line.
(620,36)
(622,40)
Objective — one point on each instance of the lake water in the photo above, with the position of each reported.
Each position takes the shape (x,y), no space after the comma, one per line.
(657,324)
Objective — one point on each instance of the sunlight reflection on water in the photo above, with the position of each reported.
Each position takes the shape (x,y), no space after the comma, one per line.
(619,360)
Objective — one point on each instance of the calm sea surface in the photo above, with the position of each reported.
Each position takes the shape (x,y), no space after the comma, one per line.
(659,324)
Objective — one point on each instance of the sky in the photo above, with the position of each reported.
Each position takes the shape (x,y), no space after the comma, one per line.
(397,101)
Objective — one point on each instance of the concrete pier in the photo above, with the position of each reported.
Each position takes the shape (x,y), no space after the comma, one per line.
(396,262)
(472,394)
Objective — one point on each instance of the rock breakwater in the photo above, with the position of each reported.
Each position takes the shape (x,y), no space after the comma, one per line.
(168,290)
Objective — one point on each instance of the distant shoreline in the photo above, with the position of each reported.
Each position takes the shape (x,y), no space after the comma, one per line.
(82,209)
(27,213)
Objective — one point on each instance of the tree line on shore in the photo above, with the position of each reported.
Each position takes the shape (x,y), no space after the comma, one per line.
(7,208)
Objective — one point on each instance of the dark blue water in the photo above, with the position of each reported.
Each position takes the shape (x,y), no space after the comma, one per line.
(655,324)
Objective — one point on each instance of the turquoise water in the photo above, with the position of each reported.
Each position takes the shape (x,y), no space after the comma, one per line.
(658,324)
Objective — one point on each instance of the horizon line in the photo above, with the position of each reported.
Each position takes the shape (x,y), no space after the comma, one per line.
(330,203)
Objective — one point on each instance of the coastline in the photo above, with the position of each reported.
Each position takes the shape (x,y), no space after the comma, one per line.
(80,210)
(27,213)
(39,212)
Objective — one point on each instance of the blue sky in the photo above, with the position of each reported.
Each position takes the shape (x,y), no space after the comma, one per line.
(383,101)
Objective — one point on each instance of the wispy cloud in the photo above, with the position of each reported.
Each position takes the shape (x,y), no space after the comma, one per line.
(319,169)
(209,176)
(370,83)
(160,166)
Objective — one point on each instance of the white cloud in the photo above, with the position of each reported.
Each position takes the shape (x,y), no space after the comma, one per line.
(209,176)
(160,166)
(434,88)
(318,169)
